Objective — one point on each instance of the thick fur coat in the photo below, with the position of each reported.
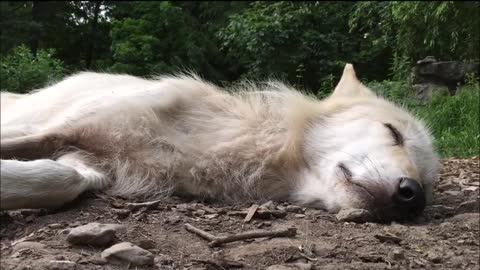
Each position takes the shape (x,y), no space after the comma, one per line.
(144,138)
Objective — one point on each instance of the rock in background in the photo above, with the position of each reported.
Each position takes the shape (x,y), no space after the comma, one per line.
(431,77)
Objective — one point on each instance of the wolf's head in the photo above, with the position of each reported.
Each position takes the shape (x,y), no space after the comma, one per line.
(366,152)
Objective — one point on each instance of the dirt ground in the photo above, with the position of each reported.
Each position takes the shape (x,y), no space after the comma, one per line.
(446,236)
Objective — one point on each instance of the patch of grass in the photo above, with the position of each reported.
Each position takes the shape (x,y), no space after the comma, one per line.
(454,121)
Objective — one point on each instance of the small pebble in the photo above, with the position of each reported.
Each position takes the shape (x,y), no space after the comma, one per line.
(353,215)
(28,245)
(199,213)
(127,253)
(294,209)
(472,206)
(434,257)
(56,226)
(397,254)
(268,205)
(61,265)
(121,213)
(94,234)
(146,244)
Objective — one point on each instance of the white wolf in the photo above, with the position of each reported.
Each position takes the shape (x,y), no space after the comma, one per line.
(144,138)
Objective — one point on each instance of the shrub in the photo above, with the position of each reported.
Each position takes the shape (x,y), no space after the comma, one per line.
(454,121)
(399,92)
(21,72)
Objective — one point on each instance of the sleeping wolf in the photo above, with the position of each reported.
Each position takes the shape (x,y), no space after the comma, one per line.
(180,135)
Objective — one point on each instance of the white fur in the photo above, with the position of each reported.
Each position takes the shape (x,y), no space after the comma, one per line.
(45,183)
(358,139)
(148,138)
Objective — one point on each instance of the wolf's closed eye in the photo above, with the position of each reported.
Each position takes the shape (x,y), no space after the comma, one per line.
(395,133)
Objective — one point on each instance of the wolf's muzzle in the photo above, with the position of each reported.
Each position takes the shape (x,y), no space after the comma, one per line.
(409,200)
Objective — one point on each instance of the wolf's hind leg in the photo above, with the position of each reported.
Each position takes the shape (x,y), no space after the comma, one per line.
(31,147)
(15,131)
(46,183)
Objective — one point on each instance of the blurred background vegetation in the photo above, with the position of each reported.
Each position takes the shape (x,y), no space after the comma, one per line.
(304,43)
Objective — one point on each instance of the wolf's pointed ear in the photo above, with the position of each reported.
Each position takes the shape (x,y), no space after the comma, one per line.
(350,86)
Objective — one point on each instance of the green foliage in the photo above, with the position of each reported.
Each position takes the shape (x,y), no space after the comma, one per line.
(304,43)
(454,122)
(159,37)
(327,86)
(445,29)
(21,72)
(15,23)
(372,22)
(276,38)
(405,32)
(396,91)
(62,25)
(401,67)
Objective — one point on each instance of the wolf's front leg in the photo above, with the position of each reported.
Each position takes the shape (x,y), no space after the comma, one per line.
(46,183)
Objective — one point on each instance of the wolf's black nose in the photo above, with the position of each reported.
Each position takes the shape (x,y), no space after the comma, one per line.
(410,197)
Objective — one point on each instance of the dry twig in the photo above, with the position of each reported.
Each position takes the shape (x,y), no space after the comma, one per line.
(261,213)
(221,263)
(148,205)
(203,234)
(220,240)
(251,212)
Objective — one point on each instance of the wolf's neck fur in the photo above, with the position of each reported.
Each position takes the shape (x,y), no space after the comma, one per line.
(257,152)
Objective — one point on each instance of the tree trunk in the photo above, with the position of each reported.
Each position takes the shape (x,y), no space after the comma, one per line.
(35,27)
(93,31)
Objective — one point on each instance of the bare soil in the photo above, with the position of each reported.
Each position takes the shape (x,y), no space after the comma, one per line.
(446,236)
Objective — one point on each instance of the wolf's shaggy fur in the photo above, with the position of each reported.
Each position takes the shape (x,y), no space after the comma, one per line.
(148,138)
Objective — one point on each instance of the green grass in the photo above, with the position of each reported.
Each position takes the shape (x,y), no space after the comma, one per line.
(453,120)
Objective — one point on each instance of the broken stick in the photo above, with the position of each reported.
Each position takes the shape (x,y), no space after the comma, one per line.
(251,212)
(220,240)
(222,263)
(148,205)
(261,213)
(203,234)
